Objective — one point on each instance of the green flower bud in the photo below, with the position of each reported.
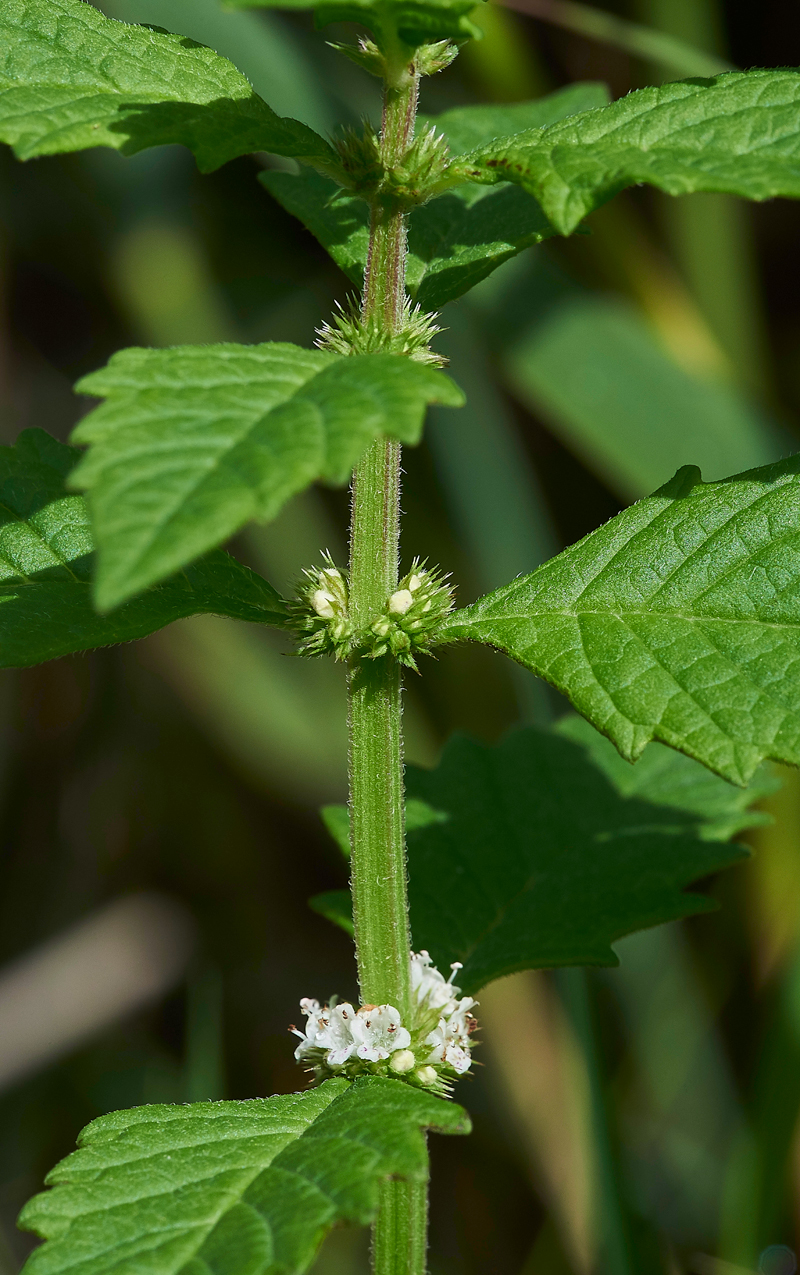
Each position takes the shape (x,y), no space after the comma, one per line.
(412,617)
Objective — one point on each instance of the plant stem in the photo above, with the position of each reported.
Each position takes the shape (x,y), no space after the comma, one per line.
(378,863)
(378,869)
(400,1235)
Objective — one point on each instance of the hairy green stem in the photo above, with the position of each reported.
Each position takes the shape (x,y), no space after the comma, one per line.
(378,863)
(378,869)
(400,1235)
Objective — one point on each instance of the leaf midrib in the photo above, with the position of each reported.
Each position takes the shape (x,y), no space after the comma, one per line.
(512,616)
(98,32)
(204,473)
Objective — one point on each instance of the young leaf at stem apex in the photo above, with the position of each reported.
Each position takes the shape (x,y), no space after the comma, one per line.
(414,21)
(232,1187)
(194,441)
(46,556)
(678,620)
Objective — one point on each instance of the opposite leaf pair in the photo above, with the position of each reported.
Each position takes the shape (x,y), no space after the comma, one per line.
(677,620)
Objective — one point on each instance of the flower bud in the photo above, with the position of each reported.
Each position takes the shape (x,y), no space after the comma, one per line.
(413,615)
(402,1061)
(426,1075)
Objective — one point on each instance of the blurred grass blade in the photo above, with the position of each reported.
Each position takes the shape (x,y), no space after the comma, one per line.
(683,1116)
(204,1048)
(279,719)
(625,407)
(492,491)
(612,1226)
(711,235)
(643,42)
(81,981)
(546,1088)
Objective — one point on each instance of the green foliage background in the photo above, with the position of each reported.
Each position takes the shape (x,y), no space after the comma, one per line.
(194,763)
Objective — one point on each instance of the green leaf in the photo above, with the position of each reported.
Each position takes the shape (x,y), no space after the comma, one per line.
(234,1187)
(549,853)
(71,78)
(630,412)
(46,565)
(194,441)
(535,878)
(415,21)
(738,132)
(453,241)
(337,822)
(467,127)
(336,906)
(678,620)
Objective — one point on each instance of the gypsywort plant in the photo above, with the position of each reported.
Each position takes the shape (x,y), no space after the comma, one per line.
(678,621)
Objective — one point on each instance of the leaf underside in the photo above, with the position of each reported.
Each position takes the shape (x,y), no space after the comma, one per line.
(552,847)
(194,441)
(234,1187)
(416,21)
(46,567)
(71,78)
(454,241)
(678,620)
(737,133)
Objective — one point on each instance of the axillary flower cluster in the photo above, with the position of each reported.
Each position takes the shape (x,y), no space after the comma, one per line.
(431,1051)
(406,627)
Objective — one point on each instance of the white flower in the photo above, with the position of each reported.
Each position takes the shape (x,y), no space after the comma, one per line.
(432,989)
(460,1021)
(378,1032)
(426,1075)
(308,1038)
(450,1038)
(446,1051)
(328,1030)
(336,1034)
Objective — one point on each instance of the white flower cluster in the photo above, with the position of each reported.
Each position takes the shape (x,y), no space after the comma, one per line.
(432,1051)
(372,1033)
(450,1037)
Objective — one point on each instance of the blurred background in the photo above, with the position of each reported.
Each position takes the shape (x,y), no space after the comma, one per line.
(159,826)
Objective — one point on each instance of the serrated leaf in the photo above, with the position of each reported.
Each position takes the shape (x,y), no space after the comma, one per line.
(453,241)
(71,78)
(194,441)
(415,21)
(546,848)
(46,567)
(240,1187)
(737,133)
(678,620)
(547,859)
(467,127)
